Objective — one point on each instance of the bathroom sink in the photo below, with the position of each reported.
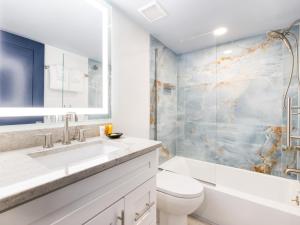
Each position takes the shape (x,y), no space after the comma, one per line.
(68,155)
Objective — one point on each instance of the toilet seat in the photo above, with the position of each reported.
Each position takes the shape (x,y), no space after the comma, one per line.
(178,186)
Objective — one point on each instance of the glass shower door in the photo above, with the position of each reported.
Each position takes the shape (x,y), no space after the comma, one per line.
(163,81)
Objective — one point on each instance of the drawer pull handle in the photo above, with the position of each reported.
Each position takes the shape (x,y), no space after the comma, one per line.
(141,214)
(122,218)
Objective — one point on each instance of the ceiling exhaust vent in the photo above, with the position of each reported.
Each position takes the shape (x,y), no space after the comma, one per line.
(152,11)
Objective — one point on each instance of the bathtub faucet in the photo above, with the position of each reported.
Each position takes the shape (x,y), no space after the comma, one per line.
(288,171)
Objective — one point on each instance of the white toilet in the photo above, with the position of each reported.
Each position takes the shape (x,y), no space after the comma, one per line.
(177,197)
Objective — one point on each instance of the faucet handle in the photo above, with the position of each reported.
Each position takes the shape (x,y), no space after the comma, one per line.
(67,116)
(81,135)
(71,116)
(48,140)
(296,200)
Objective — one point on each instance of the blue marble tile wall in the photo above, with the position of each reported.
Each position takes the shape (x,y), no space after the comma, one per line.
(166,82)
(230,105)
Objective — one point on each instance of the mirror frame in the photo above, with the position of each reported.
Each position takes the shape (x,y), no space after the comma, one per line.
(105,9)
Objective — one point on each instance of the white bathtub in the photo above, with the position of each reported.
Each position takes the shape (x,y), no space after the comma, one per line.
(240,197)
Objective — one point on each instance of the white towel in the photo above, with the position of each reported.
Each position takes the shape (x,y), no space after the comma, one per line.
(56,77)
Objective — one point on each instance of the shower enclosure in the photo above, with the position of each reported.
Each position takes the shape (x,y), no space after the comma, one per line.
(225,104)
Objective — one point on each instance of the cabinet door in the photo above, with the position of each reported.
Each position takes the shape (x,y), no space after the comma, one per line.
(140,205)
(114,215)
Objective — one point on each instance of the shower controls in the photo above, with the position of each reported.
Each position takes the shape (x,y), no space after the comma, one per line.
(296,200)
(289,171)
(289,120)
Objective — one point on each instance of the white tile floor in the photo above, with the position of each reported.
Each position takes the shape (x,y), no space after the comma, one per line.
(193,221)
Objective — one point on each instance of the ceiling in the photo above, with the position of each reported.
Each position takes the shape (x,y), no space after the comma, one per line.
(72,25)
(189,23)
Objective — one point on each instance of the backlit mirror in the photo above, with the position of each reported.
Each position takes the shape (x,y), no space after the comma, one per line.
(54,59)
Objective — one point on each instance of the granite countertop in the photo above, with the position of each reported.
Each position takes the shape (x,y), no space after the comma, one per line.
(33,172)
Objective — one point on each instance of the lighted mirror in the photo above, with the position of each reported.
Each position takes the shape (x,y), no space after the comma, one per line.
(54,59)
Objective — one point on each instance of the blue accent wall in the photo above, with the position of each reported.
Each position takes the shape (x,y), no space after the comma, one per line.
(21,75)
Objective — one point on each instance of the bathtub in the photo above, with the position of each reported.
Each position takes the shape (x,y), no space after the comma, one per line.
(240,197)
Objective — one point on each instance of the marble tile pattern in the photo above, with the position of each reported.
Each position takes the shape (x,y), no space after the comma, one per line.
(14,140)
(229,104)
(166,97)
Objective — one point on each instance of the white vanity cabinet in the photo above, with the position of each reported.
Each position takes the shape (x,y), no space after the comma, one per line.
(140,205)
(113,215)
(122,195)
(137,208)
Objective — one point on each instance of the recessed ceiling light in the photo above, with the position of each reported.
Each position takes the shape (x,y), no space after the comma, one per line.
(220,31)
(152,11)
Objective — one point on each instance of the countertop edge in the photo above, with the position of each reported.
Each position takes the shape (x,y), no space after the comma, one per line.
(23,197)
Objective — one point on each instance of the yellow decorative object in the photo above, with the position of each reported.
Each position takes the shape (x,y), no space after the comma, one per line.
(108,128)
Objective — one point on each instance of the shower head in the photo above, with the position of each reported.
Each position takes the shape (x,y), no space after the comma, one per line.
(281,35)
(275,34)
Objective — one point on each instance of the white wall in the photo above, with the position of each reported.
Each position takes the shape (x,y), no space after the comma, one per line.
(130,77)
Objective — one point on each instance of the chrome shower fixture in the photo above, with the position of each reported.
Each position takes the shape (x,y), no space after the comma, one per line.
(284,31)
(283,34)
(276,34)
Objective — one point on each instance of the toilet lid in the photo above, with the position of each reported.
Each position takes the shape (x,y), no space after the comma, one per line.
(178,185)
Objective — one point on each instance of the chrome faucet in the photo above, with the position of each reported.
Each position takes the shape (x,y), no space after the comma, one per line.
(66,132)
(289,171)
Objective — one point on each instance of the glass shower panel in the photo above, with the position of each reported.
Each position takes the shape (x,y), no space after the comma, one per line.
(163,98)
(196,109)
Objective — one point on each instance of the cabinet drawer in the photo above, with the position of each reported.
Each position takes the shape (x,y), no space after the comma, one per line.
(140,204)
(110,216)
(149,217)
(122,183)
(79,202)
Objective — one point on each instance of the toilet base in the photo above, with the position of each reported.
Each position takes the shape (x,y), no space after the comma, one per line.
(169,219)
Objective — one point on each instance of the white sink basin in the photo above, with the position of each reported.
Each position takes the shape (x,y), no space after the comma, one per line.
(67,155)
